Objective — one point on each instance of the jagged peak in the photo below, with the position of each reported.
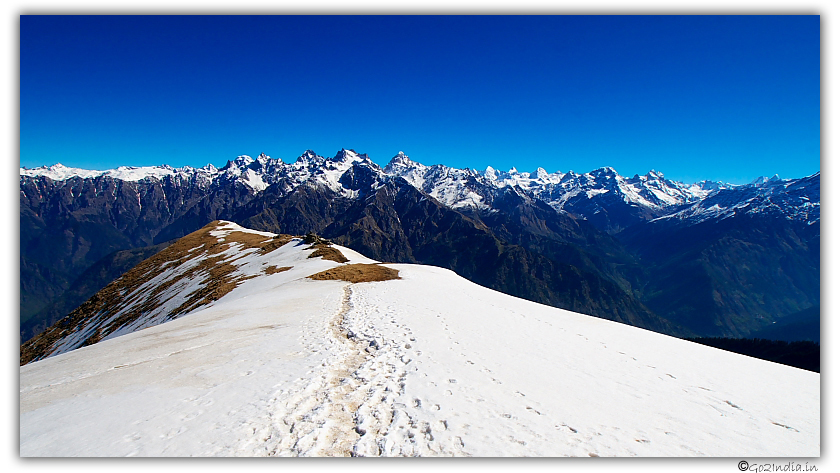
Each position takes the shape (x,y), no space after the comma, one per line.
(54,167)
(400,160)
(608,170)
(764,180)
(309,156)
(707,185)
(238,163)
(345,154)
(539,173)
(490,173)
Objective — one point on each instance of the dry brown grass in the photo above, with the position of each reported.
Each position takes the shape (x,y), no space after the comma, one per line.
(274,243)
(328,253)
(274,269)
(357,273)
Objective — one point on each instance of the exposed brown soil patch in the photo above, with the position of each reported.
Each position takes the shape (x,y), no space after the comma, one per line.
(274,269)
(357,273)
(214,269)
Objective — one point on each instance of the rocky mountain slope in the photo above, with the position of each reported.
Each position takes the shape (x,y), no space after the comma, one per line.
(587,242)
(234,342)
(89,283)
(738,259)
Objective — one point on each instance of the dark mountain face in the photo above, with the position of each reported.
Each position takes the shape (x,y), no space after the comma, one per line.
(706,259)
(729,277)
(737,261)
(803,325)
(399,223)
(66,226)
(89,283)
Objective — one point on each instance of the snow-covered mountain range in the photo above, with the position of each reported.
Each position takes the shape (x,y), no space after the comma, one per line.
(235,342)
(586,195)
(705,259)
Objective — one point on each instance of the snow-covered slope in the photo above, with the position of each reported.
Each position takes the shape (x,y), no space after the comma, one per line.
(793,199)
(257,174)
(59,172)
(455,188)
(428,364)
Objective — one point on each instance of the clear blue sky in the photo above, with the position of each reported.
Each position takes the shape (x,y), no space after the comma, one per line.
(696,97)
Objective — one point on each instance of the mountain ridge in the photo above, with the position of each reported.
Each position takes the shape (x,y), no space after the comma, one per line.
(300,358)
(595,225)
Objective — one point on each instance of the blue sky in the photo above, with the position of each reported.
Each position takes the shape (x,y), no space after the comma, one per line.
(696,97)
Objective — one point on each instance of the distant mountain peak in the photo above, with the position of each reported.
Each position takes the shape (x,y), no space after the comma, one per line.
(765,180)
(345,155)
(605,170)
(400,162)
(599,195)
(539,173)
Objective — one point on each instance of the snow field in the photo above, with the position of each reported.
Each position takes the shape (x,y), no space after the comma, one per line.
(503,376)
(200,385)
(428,365)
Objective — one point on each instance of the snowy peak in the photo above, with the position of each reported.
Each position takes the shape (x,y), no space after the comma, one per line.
(243,161)
(539,174)
(60,172)
(399,163)
(190,275)
(402,166)
(599,195)
(256,174)
(308,156)
(589,193)
(792,199)
(345,155)
(605,172)
(711,185)
(455,188)
(765,180)
(350,156)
